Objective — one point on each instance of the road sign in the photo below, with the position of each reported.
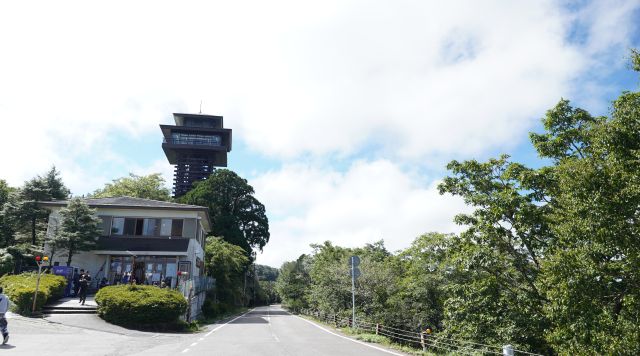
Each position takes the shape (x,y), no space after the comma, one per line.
(354,261)
(356,272)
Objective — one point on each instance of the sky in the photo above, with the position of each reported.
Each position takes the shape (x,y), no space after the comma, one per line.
(344,113)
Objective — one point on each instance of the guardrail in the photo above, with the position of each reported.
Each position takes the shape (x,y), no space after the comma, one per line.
(424,340)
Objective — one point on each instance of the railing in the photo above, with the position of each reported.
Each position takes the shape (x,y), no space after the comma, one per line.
(195,285)
(189,141)
(418,339)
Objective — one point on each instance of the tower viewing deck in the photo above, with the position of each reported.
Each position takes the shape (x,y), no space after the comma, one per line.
(195,145)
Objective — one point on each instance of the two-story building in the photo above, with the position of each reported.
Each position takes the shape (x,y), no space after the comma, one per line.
(145,239)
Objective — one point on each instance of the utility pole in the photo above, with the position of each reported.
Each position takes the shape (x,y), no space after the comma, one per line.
(354,261)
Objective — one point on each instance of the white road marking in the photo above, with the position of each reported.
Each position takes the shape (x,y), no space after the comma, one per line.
(269,321)
(200,339)
(230,321)
(210,332)
(348,338)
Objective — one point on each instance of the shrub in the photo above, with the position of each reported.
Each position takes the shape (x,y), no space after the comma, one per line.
(6,262)
(21,288)
(140,306)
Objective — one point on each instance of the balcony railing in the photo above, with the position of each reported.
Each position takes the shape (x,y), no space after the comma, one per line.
(190,141)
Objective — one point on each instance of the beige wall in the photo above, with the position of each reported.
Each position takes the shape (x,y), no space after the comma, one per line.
(93,262)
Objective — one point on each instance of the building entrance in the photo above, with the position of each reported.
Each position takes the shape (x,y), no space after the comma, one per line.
(145,269)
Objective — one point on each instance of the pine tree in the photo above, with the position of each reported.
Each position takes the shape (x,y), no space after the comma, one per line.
(36,190)
(79,228)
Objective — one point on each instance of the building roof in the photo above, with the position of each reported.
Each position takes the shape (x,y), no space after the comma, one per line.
(129,202)
(132,203)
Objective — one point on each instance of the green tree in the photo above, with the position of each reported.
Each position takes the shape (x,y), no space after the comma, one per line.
(151,186)
(418,301)
(6,261)
(591,272)
(227,263)
(499,254)
(34,191)
(293,283)
(267,293)
(22,221)
(236,215)
(266,273)
(56,188)
(79,228)
(7,217)
(5,190)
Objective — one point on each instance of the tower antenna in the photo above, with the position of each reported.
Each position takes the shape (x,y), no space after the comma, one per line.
(200,107)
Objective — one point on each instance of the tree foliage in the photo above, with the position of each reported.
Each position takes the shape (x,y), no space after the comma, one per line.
(23,221)
(266,273)
(151,186)
(236,215)
(79,228)
(549,258)
(227,263)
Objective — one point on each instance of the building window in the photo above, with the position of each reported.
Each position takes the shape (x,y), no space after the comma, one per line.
(176,228)
(165,227)
(146,227)
(196,139)
(151,227)
(117,226)
(129,227)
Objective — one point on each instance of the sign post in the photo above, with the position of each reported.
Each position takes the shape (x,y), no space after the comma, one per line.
(354,261)
(40,261)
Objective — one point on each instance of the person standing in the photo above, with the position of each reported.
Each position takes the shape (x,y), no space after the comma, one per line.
(85,280)
(4,308)
(76,281)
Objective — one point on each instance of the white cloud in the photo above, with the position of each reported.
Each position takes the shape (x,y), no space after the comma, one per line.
(372,200)
(292,78)
(411,81)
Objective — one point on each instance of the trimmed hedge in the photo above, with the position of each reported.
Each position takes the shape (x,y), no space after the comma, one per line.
(20,289)
(140,306)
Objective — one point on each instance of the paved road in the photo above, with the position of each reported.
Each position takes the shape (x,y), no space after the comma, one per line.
(269,331)
(65,335)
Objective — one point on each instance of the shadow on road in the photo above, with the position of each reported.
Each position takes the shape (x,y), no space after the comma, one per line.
(259,316)
(250,320)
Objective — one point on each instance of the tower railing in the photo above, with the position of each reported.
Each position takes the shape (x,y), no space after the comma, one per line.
(182,141)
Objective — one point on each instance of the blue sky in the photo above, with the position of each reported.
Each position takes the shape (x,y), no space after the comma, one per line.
(344,112)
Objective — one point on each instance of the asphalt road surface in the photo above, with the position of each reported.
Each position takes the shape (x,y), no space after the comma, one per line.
(269,331)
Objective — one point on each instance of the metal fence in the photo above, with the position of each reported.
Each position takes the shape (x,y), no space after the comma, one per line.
(195,290)
(418,339)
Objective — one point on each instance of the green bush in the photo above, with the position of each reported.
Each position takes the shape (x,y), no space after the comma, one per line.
(20,289)
(6,261)
(140,306)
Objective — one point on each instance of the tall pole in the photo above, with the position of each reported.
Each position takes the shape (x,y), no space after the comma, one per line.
(35,295)
(353,292)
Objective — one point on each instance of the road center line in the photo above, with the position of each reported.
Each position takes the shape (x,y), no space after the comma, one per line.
(348,338)
(269,322)
(230,321)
